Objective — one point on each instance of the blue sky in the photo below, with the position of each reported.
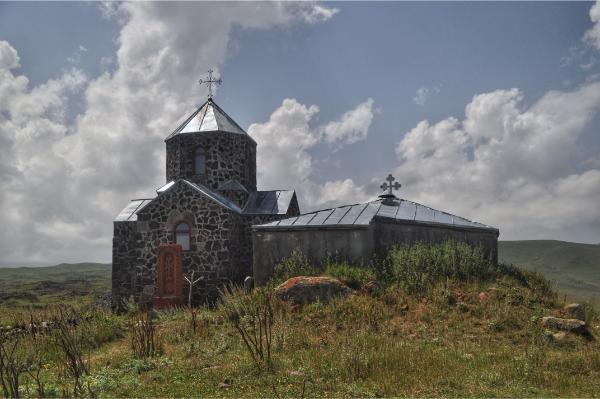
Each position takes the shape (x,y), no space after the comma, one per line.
(490,79)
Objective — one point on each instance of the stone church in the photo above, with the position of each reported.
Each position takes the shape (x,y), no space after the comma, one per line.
(210,219)
(200,220)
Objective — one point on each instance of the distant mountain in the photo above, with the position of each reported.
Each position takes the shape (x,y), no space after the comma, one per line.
(574,267)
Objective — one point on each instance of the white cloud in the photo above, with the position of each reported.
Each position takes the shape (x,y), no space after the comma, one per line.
(63,182)
(592,36)
(424,94)
(9,59)
(510,166)
(353,126)
(284,160)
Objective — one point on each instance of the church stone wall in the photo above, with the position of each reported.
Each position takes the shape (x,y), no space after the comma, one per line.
(212,236)
(229,156)
(125,254)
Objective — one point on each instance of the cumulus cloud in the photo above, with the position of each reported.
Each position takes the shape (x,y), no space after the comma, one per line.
(510,166)
(353,126)
(424,93)
(284,159)
(592,36)
(65,181)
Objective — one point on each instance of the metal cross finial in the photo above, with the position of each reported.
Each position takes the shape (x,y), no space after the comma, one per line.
(209,82)
(390,186)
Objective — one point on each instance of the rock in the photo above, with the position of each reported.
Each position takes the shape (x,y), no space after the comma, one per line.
(575,311)
(225,384)
(559,336)
(483,296)
(303,289)
(248,284)
(154,314)
(568,325)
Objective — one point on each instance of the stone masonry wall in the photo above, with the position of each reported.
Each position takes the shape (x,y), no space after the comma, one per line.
(229,156)
(212,234)
(124,258)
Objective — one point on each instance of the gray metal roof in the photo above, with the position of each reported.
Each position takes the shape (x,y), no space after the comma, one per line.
(208,118)
(362,214)
(129,214)
(218,198)
(232,185)
(275,202)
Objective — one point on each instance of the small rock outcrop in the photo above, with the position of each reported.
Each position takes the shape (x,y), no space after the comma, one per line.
(569,325)
(575,311)
(302,289)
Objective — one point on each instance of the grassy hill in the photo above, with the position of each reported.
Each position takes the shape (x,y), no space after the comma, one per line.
(426,328)
(574,267)
(37,286)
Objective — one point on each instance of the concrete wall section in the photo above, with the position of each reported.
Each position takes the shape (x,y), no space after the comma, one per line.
(318,245)
(388,234)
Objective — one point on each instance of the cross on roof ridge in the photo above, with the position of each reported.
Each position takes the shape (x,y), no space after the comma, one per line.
(390,186)
(209,82)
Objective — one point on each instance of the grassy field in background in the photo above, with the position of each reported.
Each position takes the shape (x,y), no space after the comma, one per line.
(64,283)
(574,267)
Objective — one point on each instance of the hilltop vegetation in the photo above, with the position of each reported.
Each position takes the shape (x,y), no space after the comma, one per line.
(574,267)
(438,321)
(64,283)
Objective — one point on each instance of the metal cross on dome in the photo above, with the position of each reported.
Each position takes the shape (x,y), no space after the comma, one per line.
(209,82)
(390,186)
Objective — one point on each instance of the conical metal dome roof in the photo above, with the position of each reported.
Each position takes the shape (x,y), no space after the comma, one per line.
(208,118)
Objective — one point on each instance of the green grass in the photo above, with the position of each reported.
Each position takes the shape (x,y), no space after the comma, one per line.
(574,267)
(432,337)
(64,283)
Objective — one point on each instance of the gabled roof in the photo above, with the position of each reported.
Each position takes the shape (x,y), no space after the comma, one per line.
(216,197)
(361,215)
(232,185)
(208,118)
(274,202)
(129,214)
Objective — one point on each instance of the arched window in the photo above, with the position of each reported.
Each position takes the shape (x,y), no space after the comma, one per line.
(200,161)
(182,235)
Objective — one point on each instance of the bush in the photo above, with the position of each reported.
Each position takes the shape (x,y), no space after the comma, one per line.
(417,268)
(352,276)
(296,265)
(252,315)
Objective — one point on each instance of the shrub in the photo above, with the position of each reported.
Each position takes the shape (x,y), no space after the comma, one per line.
(352,276)
(296,265)
(143,338)
(252,315)
(417,268)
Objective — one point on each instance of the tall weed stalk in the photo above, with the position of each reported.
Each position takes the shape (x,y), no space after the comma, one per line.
(252,315)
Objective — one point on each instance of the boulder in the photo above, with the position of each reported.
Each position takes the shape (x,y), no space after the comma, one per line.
(569,325)
(559,336)
(303,289)
(575,311)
